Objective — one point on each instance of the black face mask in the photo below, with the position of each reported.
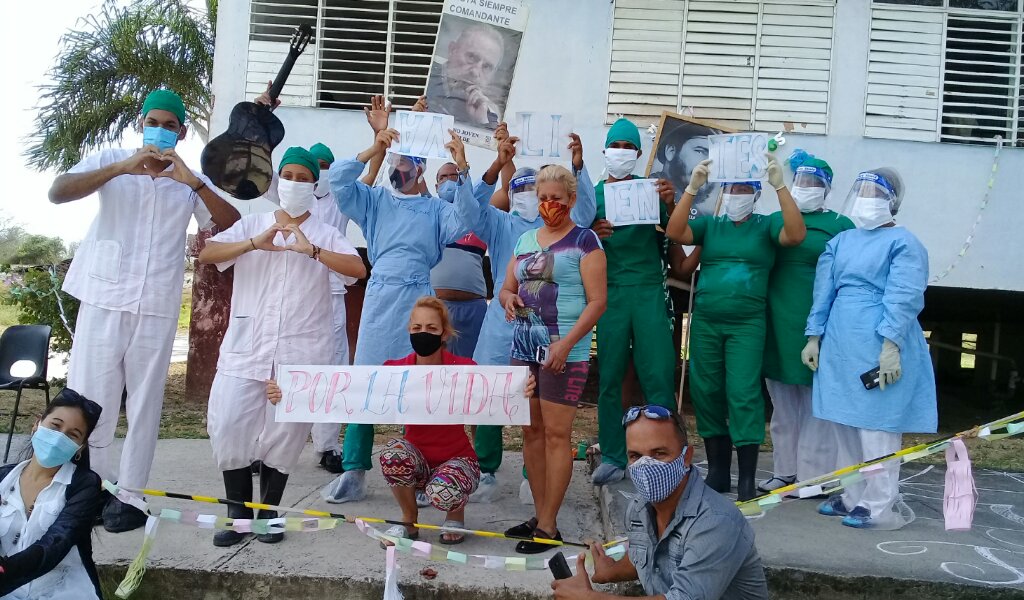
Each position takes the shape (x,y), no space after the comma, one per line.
(425,343)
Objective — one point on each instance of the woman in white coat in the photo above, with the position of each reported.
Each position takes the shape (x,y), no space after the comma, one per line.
(279,304)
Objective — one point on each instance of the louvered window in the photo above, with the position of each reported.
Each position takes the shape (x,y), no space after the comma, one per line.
(769,69)
(361,48)
(946,70)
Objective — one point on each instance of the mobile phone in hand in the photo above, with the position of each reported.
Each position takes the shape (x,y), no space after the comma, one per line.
(559,568)
(870,379)
(542,354)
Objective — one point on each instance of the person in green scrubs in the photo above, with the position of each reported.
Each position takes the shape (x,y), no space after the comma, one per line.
(637,327)
(802,445)
(728,331)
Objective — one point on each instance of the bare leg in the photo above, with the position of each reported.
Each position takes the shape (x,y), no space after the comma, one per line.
(557,419)
(535,454)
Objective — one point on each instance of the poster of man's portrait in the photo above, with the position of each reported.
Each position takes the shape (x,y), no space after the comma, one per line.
(680,145)
(474,63)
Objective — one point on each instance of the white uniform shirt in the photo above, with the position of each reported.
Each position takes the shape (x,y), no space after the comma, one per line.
(133,258)
(326,209)
(281,303)
(68,580)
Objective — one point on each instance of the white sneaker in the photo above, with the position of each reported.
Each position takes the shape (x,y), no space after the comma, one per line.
(775,482)
(525,493)
(421,499)
(350,486)
(607,473)
(486,491)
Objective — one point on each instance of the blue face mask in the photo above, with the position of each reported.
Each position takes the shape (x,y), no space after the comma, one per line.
(656,480)
(159,137)
(52,448)
(446,191)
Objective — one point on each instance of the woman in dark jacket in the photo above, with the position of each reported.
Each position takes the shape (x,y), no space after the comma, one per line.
(48,505)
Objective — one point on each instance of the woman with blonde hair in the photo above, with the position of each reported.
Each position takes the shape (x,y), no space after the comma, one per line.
(557,278)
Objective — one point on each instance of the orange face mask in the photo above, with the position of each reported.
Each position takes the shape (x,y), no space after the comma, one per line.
(553,212)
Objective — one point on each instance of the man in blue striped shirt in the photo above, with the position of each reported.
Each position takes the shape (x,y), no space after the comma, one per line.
(685,540)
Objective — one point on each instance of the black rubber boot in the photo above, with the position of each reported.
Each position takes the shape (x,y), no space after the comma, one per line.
(746,456)
(719,451)
(237,486)
(272,484)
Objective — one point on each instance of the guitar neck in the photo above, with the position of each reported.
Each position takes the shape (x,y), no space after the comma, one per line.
(282,75)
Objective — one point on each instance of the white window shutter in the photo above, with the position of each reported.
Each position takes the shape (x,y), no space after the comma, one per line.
(647,40)
(719,59)
(353,55)
(414,30)
(794,67)
(271,25)
(904,75)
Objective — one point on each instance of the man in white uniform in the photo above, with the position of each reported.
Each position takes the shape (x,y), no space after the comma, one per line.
(128,274)
(325,435)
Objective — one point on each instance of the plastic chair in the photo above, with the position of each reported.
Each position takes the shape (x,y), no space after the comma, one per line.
(24,352)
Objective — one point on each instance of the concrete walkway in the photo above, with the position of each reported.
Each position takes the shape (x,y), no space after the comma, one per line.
(797,546)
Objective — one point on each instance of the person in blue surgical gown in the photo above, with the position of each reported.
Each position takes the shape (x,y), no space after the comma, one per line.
(868,291)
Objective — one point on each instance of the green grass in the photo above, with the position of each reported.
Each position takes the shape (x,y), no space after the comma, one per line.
(8,316)
(185,312)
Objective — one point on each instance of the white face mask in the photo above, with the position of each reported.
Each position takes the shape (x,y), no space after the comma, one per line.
(323,185)
(620,162)
(809,199)
(296,196)
(738,206)
(870,213)
(525,204)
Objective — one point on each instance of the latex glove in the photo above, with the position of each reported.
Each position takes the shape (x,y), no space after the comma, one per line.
(775,173)
(698,177)
(889,369)
(809,355)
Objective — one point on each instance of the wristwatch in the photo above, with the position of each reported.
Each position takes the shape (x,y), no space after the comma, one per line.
(464,175)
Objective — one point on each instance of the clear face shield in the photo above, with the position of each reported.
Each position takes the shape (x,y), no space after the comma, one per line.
(403,175)
(737,199)
(811,189)
(522,194)
(871,202)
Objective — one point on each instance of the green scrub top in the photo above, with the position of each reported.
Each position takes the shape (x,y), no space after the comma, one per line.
(634,252)
(734,265)
(790,292)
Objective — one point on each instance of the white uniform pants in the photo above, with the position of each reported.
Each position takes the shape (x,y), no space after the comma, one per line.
(802,444)
(114,350)
(242,428)
(880,490)
(325,435)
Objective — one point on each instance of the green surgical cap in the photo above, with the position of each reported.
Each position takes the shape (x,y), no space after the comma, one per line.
(322,152)
(818,164)
(623,130)
(297,155)
(165,100)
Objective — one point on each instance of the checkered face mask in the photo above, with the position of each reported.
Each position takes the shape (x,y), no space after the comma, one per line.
(656,480)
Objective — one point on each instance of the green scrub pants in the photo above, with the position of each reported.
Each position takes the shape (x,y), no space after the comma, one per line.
(488,446)
(637,325)
(357,449)
(725,377)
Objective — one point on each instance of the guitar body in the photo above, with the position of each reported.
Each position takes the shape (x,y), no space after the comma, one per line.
(240,160)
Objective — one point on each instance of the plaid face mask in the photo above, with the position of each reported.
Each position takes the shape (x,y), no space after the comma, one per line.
(656,480)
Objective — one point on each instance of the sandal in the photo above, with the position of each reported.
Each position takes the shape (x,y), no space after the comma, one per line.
(398,531)
(454,537)
(522,530)
(525,547)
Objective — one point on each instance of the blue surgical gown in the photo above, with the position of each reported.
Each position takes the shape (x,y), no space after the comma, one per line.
(500,231)
(405,238)
(869,285)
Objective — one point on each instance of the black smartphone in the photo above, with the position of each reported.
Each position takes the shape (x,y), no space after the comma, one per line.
(559,568)
(870,379)
(542,354)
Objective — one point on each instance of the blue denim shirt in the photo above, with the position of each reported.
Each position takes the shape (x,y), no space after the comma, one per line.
(707,551)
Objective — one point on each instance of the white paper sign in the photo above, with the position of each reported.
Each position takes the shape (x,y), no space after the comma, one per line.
(632,202)
(542,134)
(738,156)
(406,395)
(423,134)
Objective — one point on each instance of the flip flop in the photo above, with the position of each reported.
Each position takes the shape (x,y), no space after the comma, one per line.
(458,537)
(399,531)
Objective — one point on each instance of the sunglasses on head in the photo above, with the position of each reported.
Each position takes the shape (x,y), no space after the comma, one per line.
(653,412)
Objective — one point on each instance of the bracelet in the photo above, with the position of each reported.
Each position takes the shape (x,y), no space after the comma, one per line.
(253,243)
(201,185)
(316,253)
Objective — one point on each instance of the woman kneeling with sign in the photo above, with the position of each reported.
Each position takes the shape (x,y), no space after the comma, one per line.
(438,459)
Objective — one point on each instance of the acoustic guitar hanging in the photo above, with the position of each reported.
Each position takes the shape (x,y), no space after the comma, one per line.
(239,160)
